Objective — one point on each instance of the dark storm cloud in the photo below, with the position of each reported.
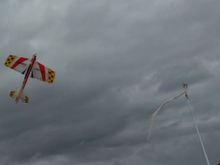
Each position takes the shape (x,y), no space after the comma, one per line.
(115,62)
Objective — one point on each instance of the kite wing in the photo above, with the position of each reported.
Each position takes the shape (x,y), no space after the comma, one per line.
(17,63)
(43,73)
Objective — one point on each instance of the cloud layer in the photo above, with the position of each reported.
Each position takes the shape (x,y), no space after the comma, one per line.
(115,62)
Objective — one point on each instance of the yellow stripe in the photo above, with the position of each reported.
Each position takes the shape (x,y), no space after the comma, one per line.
(9,60)
(51,76)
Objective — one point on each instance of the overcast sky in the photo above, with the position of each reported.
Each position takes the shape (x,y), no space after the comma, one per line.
(116,61)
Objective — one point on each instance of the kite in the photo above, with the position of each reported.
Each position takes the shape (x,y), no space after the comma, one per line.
(183,93)
(29,68)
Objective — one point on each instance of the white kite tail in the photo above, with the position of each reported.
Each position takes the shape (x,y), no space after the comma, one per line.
(159,108)
(197,131)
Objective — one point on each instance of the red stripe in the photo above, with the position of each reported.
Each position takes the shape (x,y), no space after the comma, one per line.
(42,70)
(29,71)
(19,61)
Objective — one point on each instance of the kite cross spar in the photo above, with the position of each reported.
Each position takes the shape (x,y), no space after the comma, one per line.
(183,93)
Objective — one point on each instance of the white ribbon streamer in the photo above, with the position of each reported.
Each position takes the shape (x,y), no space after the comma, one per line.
(159,108)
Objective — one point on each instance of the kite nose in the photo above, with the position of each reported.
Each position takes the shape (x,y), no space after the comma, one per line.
(35,55)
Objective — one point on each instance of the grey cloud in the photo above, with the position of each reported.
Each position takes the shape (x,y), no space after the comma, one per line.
(115,62)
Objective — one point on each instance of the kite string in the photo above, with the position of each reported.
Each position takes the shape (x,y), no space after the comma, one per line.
(197,130)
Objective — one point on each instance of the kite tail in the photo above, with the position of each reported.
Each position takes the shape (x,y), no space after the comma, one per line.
(158,109)
(152,122)
(197,131)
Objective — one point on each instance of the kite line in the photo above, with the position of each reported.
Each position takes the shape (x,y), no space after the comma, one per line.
(183,93)
(197,131)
